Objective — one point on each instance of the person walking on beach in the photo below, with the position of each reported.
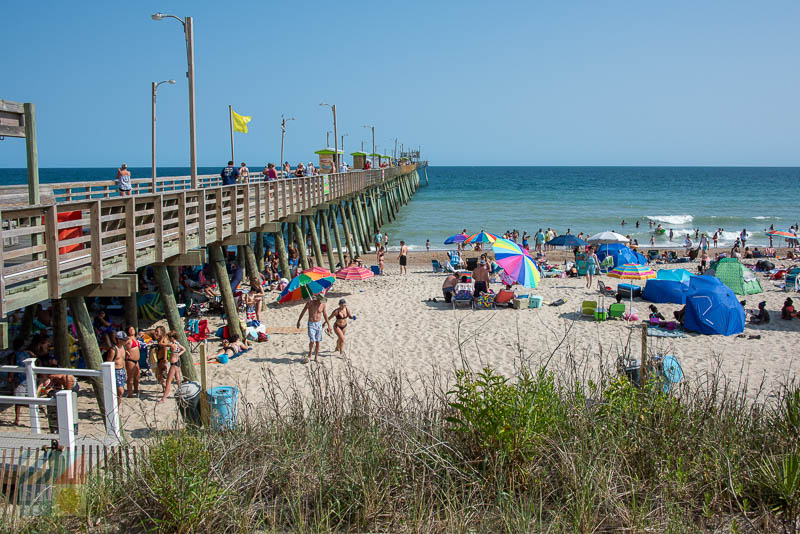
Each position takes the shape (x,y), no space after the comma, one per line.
(539,240)
(116,354)
(386,241)
(381,254)
(316,314)
(743,237)
(124,180)
(342,314)
(591,266)
(244,174)
(175,352)
(403,257)
(378,239)
(228,174)
(715,239)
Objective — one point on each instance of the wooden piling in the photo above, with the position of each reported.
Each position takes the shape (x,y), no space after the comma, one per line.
(301,245)
(354,231)
(88,343)
(337,238)
(259,250)
(363,223)
(175,281)
(312,227)
(224,285)
(175,321)
(280,250)
(60,332)
(326,232)
(253,274)
(130,311)
(347,237)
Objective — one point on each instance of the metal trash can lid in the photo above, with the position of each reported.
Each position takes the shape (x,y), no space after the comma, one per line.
(188,390)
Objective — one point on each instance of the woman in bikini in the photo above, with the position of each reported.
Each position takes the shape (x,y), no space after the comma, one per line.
(342,313)
(132,363)
(161,347)
(176,350)
(231,348)
(381,254)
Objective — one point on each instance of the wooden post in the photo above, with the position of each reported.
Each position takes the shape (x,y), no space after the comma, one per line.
(363,223)
(60,332)
(280,250)
(253,274)
(335,225)
(224,284)
(259,250)
(174,319)
(301,245)
(326,231)
(354,229)
(376,222)
(174,280)
(312,226)
(88,342)
(643,369)
(347,237)
(32,153)
(26,325)
(131,312)
(205,411)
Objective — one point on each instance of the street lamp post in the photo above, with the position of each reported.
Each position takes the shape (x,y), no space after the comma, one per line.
(283,136)
(327,139)
(155,89)
(337,170)
(188,31)
(373,142)
(335,137)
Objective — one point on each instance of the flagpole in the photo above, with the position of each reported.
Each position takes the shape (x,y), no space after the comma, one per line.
(230,116)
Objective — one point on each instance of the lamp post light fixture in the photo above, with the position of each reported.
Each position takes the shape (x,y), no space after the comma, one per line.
(283,136)
(373,142)
(335,137)
(188,31)
(153,137)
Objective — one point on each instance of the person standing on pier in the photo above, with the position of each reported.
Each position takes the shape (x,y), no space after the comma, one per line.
(228,174)
(244,174)
(270,172)
(124,180)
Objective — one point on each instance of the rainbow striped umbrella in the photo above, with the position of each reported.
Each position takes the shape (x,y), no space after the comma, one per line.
(632,271)
(781,233)
(305,285)
(481,237)
(515,262)
(354,272)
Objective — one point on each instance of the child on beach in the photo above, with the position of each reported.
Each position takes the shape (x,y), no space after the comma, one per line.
(252,302)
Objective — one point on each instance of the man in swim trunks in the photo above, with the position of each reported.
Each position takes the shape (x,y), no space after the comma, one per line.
(403,257)
(480,276)
(316,314)
(116,354)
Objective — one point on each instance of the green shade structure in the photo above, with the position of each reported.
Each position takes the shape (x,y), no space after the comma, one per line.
(374,155)
(736,276)
(361,153)
(328,150)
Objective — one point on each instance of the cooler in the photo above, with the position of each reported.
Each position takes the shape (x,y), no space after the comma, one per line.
(627,289)
(535,301)
(223,402)
(188,399)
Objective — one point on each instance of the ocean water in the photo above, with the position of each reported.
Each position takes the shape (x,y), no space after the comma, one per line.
(582,199)
(594,199)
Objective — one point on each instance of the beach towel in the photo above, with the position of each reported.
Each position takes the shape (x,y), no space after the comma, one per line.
(657,331)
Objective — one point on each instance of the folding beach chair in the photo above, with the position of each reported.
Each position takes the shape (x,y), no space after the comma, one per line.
(437,267)
(606,264)
(463,293)
(196,332)
(588,307)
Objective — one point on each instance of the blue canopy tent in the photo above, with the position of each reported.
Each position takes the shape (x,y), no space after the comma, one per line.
(621,254)
(676,275)
(659,291)
(712,308)
(567,240)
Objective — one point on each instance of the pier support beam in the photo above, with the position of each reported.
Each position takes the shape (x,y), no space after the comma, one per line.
(58,316)
(376,227)
(89,347)
(224,284)
(163,280)
(347,237)
(312,226)
(335,225)
(130,311)
(253,274)
(363,223)
(326,233)
(301,245)
(280,250)
(353,230)
(259,251)
(175,281)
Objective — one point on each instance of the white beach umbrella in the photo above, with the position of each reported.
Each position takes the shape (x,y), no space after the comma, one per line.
(604,238)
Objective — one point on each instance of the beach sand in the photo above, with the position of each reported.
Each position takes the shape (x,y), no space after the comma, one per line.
(399,328)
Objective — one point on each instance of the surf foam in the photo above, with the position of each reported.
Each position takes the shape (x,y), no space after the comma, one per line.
(676,220)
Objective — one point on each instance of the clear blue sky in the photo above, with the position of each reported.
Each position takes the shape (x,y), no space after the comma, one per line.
(474,83)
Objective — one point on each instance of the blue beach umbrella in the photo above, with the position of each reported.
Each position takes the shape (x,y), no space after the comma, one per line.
(567,240)
(455,238)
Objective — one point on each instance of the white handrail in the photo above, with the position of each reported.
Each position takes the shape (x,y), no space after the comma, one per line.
(63,404)
(106,374)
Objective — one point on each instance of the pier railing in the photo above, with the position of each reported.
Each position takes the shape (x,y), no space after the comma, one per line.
(91,233)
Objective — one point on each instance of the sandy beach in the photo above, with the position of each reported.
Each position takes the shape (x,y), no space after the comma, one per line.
(399,327)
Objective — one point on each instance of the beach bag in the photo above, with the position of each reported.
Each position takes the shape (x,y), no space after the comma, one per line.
(484,301)
(262,337)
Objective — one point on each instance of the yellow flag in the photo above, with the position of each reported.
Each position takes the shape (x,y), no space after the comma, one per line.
(240,122)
